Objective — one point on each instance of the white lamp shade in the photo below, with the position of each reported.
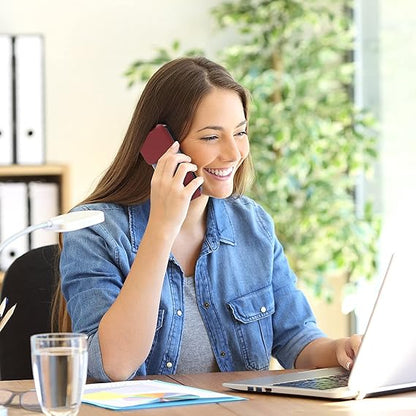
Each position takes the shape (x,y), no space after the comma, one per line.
(75,221)
(62,223)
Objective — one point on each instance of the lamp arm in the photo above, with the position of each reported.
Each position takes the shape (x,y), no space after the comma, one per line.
(62,223)
(27,230)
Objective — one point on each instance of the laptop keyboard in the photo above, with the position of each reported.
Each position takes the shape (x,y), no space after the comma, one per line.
(320,383)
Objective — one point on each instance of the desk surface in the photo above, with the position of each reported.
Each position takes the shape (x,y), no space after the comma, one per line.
(258,404)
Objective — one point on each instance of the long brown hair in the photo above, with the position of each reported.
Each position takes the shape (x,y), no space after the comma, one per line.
(171,97)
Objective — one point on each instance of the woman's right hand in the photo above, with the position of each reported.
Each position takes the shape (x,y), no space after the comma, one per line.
(169,198)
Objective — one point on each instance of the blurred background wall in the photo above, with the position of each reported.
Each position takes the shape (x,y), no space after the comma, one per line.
(88,46)
(90,43)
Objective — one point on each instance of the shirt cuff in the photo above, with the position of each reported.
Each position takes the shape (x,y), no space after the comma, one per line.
(288,355)
(95,361)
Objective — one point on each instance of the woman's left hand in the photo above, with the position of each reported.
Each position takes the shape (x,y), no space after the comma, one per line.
(327,352)
(347,350)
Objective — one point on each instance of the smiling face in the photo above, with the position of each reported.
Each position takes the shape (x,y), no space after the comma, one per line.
(217,141)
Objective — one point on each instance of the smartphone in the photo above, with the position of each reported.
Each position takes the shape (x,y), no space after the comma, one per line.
(156,144)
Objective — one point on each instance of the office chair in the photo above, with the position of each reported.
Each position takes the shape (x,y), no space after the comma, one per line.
(30,282)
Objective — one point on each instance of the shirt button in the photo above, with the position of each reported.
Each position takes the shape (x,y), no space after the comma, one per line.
(179,312)
(263,309)
(169,364)
(222,353)
(207,305)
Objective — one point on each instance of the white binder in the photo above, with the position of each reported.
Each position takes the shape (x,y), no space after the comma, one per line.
(13,218)
(43,204)
(29,82)
(6,100)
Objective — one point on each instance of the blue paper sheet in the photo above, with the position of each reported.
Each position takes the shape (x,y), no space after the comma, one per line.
(145,394)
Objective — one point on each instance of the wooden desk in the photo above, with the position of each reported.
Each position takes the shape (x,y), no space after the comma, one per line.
(257,405)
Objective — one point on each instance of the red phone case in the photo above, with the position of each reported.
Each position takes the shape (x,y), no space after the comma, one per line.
(156,144)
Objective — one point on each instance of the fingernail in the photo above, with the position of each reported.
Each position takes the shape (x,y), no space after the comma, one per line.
(348,365)
(175,144)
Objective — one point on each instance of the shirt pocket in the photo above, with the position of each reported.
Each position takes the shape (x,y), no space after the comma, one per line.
(252,318)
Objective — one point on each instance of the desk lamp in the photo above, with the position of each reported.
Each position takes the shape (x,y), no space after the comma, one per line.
(60,224)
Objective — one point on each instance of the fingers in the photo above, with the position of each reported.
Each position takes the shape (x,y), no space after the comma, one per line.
(348,364)
(349,351)
(345,356)
(170,160)
(171,170)
(178,181)
(192,186)
(355,341)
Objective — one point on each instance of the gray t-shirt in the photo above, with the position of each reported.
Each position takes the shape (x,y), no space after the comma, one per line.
(196,354)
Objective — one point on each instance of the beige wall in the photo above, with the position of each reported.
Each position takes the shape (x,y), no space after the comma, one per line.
(89,44)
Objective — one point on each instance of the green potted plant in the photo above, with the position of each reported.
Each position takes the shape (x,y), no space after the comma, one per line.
(309,142)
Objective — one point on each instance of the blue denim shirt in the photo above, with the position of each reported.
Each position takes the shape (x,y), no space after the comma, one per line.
(245,289)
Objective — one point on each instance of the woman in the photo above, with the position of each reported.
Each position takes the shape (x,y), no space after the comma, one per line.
(172,284)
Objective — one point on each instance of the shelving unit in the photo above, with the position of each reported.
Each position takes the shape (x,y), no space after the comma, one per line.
(48,173)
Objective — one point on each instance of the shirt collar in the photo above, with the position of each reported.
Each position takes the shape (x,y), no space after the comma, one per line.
(219,225)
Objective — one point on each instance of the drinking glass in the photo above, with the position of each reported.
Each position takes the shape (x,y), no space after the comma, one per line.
(59,365)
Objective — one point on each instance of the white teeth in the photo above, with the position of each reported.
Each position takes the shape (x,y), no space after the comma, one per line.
(220,172)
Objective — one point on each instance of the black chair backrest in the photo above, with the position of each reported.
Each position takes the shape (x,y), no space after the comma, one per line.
(30,282)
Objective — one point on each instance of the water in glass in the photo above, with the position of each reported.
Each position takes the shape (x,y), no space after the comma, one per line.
(59,371)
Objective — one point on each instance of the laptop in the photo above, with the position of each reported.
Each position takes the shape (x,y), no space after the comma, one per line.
(386,361)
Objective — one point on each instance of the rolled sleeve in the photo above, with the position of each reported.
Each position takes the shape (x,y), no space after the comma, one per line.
(296,325)
(95,362)
(289,353)
(294,322)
